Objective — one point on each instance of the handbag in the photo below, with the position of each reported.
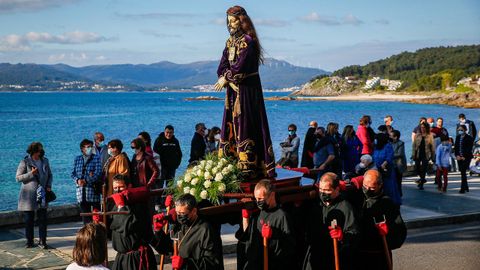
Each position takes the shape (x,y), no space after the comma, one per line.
(50,196)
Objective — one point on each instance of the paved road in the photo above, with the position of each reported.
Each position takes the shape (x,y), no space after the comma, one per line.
(441,247)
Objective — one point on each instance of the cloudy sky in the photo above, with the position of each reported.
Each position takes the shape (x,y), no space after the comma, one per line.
(313,33)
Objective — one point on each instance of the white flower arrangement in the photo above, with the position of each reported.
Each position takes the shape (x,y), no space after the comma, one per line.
(209,180)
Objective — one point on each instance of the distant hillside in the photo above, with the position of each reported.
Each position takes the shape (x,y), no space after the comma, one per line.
(31,74)
(275,74)
(424,70)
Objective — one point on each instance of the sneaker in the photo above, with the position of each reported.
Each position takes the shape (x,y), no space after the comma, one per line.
(43,245)
(461,191)
(29,245)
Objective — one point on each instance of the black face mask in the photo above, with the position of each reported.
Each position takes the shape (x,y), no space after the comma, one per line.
(183,219)
(262,205)
(369,193)
(42,153)
(326,198)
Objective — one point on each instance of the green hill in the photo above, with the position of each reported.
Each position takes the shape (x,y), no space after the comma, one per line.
(427,69)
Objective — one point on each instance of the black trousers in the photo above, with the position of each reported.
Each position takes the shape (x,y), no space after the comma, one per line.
(29,218)
(463,167)
(86,207)
(166,176)
(421,165)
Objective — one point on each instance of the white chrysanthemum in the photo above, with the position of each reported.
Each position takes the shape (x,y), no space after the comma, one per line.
(208,176)
(187,177)
(221,187)
(230,167)
(199,173)
(195,168)
(225,171)
(192,191)
(202,163)
(223,160)
(208,167)
(194,181)
(186,190)
(207,184)
(218,177)
(179,183)
(210,162)
(214,170)
(203,194)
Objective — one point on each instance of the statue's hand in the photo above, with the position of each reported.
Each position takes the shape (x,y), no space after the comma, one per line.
(220,84)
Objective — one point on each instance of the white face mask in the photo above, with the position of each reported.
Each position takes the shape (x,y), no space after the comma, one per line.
(217,137)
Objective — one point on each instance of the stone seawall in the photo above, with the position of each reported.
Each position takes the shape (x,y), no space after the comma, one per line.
(56,214)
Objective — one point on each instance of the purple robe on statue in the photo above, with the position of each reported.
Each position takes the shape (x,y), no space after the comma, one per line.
(245,134)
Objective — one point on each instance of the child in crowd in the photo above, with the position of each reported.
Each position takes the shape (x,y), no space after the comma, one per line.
(443,154)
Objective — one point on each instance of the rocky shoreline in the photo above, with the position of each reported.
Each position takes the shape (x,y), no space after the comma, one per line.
(464,100)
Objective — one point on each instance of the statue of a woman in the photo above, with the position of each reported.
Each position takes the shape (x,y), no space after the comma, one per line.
(245,133)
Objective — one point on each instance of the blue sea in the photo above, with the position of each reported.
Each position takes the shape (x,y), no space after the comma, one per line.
(61,120)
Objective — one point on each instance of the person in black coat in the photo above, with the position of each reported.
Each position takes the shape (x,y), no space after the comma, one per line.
(309,143)
(198,145)
(379,216)
(463,154)
(168,147)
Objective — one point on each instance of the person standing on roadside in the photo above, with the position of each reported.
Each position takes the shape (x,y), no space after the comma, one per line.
(87,170)
(423,153)
(35,175)
(463,154)
(168,147)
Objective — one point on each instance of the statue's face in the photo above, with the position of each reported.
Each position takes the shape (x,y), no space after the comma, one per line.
(233,24)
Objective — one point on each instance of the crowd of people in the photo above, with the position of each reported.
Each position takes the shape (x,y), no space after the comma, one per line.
(373,163)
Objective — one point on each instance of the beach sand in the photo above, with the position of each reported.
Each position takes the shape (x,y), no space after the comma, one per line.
(365,97)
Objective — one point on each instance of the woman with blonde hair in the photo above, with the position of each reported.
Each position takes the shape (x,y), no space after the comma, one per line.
(89,250)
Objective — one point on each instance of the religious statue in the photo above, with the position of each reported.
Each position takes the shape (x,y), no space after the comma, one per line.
(245,134)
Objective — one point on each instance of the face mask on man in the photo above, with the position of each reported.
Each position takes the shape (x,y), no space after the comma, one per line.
(262,205)
(101,144)
(183,219)
(217,137)
(88,151)
(369,193)
(325,197)
(291,132)
(110,152)
(362,165)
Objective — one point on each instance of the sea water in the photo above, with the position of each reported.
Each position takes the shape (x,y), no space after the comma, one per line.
(61,120)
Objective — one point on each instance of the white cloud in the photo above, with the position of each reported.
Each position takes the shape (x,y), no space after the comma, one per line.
(350,19)
(314,17)
(155,15)
(72,57)
(7,6)
(219,21)
(157,34)
(15,42)
(271,22)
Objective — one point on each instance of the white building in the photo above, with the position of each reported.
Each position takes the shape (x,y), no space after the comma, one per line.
(369,84)
(391,85)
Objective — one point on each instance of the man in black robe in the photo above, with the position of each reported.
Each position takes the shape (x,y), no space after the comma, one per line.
(281,244)
(379,216)
(199,246)
(308,144)
(319,231)
(131,233)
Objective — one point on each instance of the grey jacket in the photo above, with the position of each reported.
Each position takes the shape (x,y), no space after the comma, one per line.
(399,158)
(27,198)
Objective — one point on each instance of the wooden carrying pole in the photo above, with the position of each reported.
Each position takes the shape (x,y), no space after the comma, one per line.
(265,253)
(162,256)
(175,249)
(385,244)
(335,246)
(105,222)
